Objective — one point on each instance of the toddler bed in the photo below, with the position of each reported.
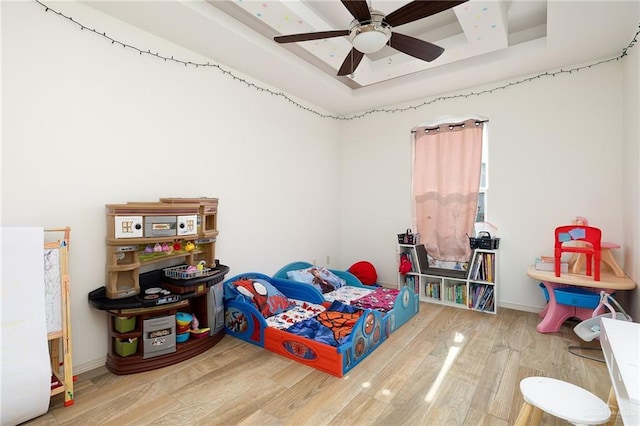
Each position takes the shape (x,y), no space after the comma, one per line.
(396,306)
(296,322)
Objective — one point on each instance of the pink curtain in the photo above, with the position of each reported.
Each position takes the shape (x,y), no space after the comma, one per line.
(446,180)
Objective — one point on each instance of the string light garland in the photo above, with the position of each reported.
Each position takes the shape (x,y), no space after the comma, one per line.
(283,96)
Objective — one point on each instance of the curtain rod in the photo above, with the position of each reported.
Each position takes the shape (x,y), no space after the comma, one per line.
(451,126)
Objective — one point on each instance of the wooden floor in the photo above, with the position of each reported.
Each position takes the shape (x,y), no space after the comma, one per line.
(446,366)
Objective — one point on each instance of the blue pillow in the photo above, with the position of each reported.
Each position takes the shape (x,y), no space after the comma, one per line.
(321,278)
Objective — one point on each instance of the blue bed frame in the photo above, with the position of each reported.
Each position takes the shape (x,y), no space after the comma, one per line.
(244,321)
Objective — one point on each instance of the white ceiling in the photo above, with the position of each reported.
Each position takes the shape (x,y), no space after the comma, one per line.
(484,41)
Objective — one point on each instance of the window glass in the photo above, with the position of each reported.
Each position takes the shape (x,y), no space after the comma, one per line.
(481,215)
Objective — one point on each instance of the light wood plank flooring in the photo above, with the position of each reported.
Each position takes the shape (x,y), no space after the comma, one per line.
(446,366)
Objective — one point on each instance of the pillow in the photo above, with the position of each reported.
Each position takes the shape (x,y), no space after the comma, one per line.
(321,278)
(365,272)
(267,299)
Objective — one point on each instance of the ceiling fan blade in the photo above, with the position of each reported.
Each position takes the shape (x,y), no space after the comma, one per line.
(359,9)
(310,36)
(414,47)
(418,9)
(351,62)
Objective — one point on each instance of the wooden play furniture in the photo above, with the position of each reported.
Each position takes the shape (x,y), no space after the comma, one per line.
(582,234)
(60,340)
(577,261)
(164,234)
(554,314)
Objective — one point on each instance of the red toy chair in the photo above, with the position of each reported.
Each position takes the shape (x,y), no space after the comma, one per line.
(587,234)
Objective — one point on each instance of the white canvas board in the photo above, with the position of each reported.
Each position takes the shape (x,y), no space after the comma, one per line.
(26,372)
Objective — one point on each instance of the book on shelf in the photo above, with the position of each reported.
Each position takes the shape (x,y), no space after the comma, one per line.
(484,268)
(432,289)
(486,304)
(477,269)
(411,281)
(457,293)
(490,267)
(478,293)
(546,263)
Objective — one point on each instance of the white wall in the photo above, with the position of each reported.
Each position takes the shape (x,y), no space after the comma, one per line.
(631,155)
(86,123)
(555,151)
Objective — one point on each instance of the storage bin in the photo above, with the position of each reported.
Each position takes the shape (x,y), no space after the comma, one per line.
(126,347)
(484,241)
(158,336)
(186,272)
(408,237)
(124,324)
(573,296)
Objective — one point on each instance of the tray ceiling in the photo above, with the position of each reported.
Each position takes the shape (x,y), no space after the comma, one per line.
(484,41)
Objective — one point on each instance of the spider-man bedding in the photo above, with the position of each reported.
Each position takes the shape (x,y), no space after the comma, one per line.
(293,321)
(396,306)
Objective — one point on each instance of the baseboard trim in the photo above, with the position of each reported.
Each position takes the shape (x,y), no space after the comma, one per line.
(519,307)
(506,305)
(88,366)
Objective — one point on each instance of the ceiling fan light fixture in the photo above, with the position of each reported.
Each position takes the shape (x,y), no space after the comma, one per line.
(371,41)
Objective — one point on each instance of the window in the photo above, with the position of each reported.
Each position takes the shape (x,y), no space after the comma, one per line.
(481,214)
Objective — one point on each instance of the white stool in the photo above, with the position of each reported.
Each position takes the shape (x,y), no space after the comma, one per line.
(560,399)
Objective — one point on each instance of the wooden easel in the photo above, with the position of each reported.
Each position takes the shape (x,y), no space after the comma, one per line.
(61,339)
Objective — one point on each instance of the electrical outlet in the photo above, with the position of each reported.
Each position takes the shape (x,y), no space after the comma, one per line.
(328,260)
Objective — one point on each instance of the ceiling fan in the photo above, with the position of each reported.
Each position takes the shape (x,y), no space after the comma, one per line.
(371,30)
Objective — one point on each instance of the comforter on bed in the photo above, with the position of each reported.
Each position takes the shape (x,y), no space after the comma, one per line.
(381,299)
(331,327)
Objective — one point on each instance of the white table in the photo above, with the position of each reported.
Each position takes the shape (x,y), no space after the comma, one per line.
(620,342)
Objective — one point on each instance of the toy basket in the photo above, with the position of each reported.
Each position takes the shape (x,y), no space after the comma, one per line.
(186,272)
(484,241)
(408,237)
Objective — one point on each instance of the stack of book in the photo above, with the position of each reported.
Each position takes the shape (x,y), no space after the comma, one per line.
(482,297)
(547,263)
(484,268)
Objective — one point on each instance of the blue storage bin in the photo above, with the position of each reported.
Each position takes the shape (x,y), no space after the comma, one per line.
(573,296)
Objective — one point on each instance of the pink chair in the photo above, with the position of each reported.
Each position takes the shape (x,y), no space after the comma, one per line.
(582,234)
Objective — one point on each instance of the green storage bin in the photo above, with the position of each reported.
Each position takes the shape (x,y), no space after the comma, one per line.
(124,324)
(126,347)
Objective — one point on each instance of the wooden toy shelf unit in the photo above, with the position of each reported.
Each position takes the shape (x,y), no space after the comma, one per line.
(475,289)
(140,234)
(177,236)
